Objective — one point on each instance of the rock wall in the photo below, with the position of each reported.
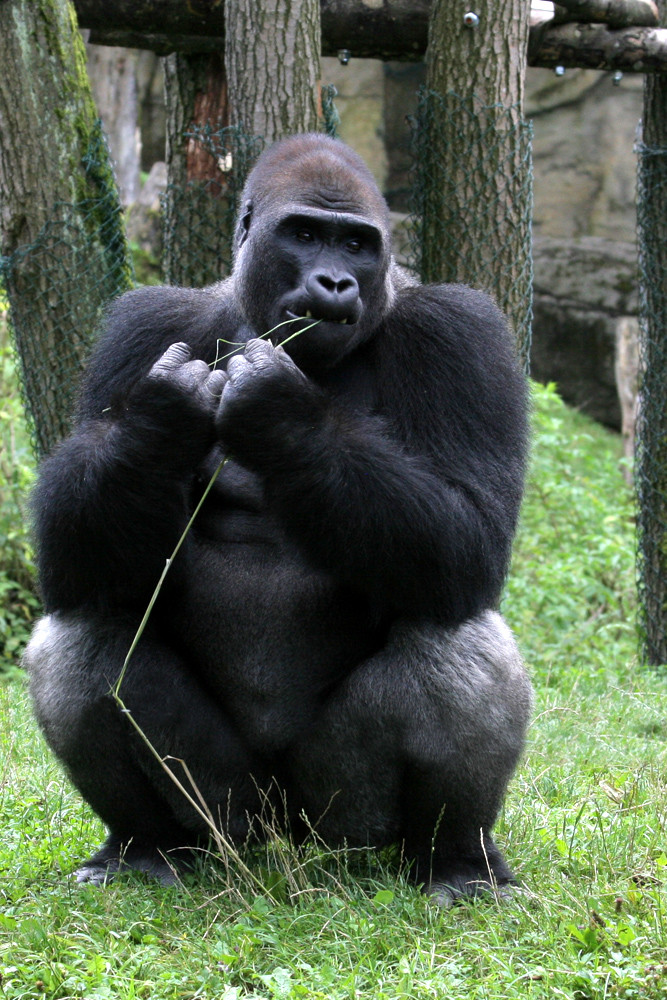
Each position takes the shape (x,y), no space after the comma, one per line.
(584,163)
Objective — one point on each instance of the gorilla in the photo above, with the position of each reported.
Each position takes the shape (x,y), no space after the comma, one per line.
(326,641)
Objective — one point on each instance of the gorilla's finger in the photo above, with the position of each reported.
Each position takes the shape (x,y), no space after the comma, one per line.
(284,359)
(175,356)
(259,350)
(216,382)
(195,372)
(238,368)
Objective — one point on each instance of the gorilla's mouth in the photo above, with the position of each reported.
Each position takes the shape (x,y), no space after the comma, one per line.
(320,316)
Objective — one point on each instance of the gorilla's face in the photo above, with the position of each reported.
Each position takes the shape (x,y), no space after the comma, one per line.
(316,279)
(330,271)
(313,256)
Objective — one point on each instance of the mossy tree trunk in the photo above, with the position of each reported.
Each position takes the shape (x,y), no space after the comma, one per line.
(63,244)
(221,110)
(474,154)
(651,464)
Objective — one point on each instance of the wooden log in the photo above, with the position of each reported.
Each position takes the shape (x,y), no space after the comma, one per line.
(594,46)
(393,30)
(614,13)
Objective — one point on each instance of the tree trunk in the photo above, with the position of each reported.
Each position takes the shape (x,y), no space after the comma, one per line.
(272,55)
(651,466)
(475,183)
(112,75)
(60,219)
(201,193)
(220,114)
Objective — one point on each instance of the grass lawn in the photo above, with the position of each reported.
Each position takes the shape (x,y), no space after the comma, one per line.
(583,825)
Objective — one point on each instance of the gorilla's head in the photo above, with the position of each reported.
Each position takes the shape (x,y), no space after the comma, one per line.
(313,243)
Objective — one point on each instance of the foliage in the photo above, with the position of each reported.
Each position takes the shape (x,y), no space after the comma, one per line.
(572,588)
(584,824)
(18,604)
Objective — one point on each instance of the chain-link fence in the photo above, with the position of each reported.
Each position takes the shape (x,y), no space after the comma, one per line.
(473,200)
(651,459)
(200,215)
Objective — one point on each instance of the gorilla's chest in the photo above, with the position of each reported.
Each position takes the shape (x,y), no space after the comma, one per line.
(269,634)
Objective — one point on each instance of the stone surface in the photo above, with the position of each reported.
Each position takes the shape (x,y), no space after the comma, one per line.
(584,291)
(583,152)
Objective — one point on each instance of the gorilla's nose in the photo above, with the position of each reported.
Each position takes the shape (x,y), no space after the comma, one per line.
(333,296)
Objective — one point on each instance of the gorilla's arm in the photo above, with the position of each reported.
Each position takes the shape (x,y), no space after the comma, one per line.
(111,502)
(416,506)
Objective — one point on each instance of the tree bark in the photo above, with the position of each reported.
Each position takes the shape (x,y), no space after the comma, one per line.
(272,55)
(474,156)
(393,30)
(220,114)
(199,201)
(651,466)
(594,46)
(61,228)
(615,13)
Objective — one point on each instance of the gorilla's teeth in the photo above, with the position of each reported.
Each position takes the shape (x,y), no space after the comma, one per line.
(343,322)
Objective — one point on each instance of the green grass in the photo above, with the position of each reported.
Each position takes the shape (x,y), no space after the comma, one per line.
(583,825)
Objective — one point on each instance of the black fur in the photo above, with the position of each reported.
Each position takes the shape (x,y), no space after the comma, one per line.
(327,632)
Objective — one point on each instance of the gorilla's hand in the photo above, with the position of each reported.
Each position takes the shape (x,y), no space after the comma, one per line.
(266,405)
(173,406)
(194,379)
(259,367)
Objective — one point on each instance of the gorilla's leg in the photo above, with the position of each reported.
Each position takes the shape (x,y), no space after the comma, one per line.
(74,663)
(418,745)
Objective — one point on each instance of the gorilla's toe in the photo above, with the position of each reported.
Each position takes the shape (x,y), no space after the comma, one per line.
(114,857)
(465,882)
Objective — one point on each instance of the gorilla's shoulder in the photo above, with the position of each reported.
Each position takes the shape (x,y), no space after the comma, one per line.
(460,325)
(452,309)
(460,353)
(152,312)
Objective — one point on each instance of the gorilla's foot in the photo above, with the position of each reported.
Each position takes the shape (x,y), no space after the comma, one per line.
(116,856)
(460,879)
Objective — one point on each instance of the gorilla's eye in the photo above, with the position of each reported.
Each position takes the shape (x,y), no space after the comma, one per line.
(353,246)
(304,235)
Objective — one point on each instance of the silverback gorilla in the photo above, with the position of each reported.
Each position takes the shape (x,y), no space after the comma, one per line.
(327,634)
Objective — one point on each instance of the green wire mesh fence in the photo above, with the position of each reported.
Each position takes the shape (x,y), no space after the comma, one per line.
(651,457)
(200,215)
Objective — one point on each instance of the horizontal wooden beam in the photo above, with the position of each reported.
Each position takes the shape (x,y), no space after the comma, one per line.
(387,30)
(594,46)
(614,13)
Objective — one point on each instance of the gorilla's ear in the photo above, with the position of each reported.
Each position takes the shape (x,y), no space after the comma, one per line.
(244,225)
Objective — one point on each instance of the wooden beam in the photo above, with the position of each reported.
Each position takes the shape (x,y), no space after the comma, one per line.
(594,46)
(390,30)
(614,13)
